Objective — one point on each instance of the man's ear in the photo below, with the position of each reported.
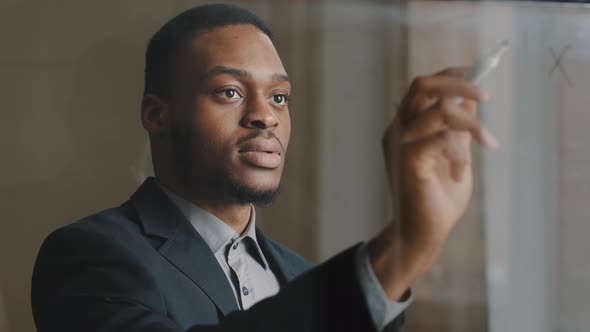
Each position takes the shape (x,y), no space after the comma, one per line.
(155,114)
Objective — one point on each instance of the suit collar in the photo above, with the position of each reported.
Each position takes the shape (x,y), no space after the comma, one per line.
(157,214)
(184,247)
(187,250)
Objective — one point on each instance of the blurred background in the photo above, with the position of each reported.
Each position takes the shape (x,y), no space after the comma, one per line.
(72,144)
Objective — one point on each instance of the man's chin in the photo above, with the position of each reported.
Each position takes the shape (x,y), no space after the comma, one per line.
(247,194)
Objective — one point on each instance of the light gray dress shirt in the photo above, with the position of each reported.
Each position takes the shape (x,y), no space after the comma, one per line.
(248,272)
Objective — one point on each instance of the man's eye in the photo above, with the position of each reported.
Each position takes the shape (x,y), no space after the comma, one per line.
(280,99)
(229,94)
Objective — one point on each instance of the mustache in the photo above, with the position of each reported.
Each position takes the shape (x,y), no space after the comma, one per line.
(267,134)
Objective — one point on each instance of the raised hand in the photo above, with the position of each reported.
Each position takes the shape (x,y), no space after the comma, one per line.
(428,158)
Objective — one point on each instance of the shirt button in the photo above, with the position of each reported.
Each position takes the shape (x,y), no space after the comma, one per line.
(245,291)
(236,245)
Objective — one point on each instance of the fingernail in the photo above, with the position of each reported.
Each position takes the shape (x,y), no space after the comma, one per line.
(488,139)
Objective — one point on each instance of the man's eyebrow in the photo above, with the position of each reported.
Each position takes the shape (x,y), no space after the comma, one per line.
(280,77)
(221,70)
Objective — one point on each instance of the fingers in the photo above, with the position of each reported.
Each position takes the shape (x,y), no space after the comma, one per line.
(444,116)
(437,120)
(425,91)
(458,72)
(459,156)
(425,154)
(443,86)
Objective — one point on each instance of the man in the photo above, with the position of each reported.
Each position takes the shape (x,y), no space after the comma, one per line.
(184,254)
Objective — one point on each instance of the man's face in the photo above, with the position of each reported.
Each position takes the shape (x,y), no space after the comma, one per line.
(230,118)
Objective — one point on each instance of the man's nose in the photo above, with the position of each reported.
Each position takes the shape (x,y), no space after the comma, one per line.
(260,114)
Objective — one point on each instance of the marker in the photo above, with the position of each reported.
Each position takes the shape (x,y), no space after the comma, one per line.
(476,74)
(484,66)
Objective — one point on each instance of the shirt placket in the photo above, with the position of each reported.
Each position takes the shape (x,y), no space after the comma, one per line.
(237,263)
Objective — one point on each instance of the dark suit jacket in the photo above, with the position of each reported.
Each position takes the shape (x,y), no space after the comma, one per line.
(143,267)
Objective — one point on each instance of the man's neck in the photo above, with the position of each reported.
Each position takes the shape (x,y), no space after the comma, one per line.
(232,214)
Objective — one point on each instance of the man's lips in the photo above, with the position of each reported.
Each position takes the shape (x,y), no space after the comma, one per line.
(261,152)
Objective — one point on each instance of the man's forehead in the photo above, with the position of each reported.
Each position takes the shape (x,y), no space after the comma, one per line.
(240,39)
(239,50)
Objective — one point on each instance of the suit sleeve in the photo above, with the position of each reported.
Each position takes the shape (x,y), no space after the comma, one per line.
(84,281)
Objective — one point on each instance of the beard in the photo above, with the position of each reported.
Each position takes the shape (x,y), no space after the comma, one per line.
(243,194)
(191,160)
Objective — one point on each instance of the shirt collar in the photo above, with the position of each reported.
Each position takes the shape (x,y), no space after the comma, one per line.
(213,230)
(250,232)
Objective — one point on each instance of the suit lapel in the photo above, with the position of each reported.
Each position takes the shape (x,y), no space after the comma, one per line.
(184,247)
(190,254)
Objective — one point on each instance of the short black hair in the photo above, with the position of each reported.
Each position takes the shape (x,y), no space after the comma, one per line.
(173,38)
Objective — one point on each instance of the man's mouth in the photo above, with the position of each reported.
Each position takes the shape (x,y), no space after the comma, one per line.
(261,152)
